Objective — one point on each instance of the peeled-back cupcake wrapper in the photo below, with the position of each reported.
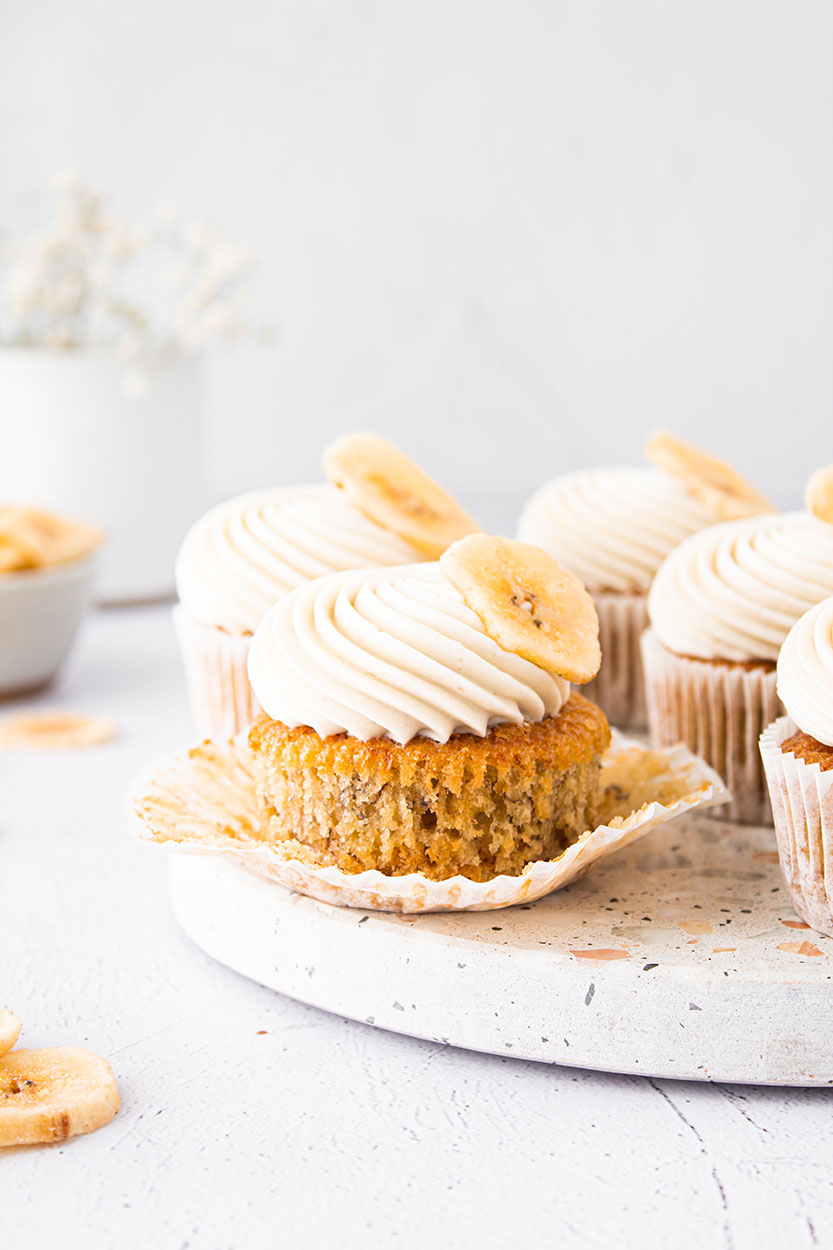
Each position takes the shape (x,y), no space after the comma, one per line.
(222,700)
(203,801)
(719,711)
(802,804)
(619,688)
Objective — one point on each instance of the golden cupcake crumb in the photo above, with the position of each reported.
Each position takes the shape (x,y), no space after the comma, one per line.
(809,749)
(478,807)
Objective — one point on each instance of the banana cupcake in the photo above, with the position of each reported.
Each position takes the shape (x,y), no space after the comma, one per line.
(420,718)
(613,527)
(797,753)
(377,509)
(720,608)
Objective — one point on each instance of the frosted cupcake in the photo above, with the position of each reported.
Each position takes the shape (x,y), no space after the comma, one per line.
(721,607)
(377,509)
(420,719)
(797,753)
(613,527)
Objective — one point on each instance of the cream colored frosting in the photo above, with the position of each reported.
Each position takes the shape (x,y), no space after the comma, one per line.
(805,672)
(612,527)
(243,555)
(734,591)
(391,653)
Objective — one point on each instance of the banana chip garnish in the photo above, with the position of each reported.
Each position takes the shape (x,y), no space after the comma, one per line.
(528,604)
(819,494)
(714,483)
(394,492)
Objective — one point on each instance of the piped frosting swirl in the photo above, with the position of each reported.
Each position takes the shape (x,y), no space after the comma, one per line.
(243,555)
(805,673)
(612,527)
(392,653)
(733,591)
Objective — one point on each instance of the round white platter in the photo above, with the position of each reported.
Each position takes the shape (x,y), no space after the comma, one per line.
(679,957)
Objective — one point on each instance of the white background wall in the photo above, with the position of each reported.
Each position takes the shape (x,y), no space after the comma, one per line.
(515,235)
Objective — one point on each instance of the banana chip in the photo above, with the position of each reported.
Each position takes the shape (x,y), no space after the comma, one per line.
(819,494)
(55,731)
(52,1094)
(393,491)
(528,604)
(9,1030)
(716,484)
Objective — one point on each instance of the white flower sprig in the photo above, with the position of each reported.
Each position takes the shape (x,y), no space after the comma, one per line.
(90,280)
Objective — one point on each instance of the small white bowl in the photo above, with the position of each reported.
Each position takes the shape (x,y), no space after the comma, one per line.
(40,611)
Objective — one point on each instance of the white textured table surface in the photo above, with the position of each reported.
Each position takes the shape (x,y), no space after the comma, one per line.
(249,1120)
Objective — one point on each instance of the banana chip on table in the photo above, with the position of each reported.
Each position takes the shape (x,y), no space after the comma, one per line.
(9,1030)
(52,1094)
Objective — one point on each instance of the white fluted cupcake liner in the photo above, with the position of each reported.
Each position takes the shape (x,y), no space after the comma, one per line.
(719,711)
(203,801)
(802,806)
(619,688)
(222,700)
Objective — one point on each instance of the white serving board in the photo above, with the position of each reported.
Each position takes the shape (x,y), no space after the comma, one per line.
(679,957)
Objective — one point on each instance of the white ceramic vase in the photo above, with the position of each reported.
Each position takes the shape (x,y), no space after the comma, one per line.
(83,434)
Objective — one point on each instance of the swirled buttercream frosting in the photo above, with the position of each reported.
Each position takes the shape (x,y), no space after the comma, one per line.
(243,555)
(805,673)
(391,653)
(734,591)
(612,527)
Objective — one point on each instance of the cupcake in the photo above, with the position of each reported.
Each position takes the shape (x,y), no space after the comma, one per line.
(720,608)
(377,509)
(797,753)
(613,527)
(420,718)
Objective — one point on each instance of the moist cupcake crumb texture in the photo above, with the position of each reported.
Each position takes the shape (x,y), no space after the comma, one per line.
(473,806)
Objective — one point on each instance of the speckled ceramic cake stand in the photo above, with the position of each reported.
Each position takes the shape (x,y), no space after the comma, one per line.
(679,957)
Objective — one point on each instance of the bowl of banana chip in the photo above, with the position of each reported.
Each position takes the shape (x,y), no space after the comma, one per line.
(47,567)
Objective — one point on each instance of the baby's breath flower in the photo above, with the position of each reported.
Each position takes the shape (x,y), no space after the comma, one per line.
(91,280)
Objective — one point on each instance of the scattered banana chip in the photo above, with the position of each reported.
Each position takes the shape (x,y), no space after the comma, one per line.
(393,491)
(55,731)
(819,494)
(52,1094)
(715,483)
(32,539)
(9,1030)
(528,604)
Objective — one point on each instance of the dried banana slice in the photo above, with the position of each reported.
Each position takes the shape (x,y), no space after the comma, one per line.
(393,491)
(715,483)
(528,604)
(9,1030)
(55,730)
(52,1094)
(819,494)
(32,539)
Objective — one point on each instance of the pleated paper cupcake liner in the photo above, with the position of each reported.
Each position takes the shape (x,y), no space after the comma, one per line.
(719,711)
(222,701)
(802,805)
(203,802)
(619,688)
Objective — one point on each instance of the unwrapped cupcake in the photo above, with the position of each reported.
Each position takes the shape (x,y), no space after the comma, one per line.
(420,718)
(377,509)
(721,607)
(613,527)
(797,752)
